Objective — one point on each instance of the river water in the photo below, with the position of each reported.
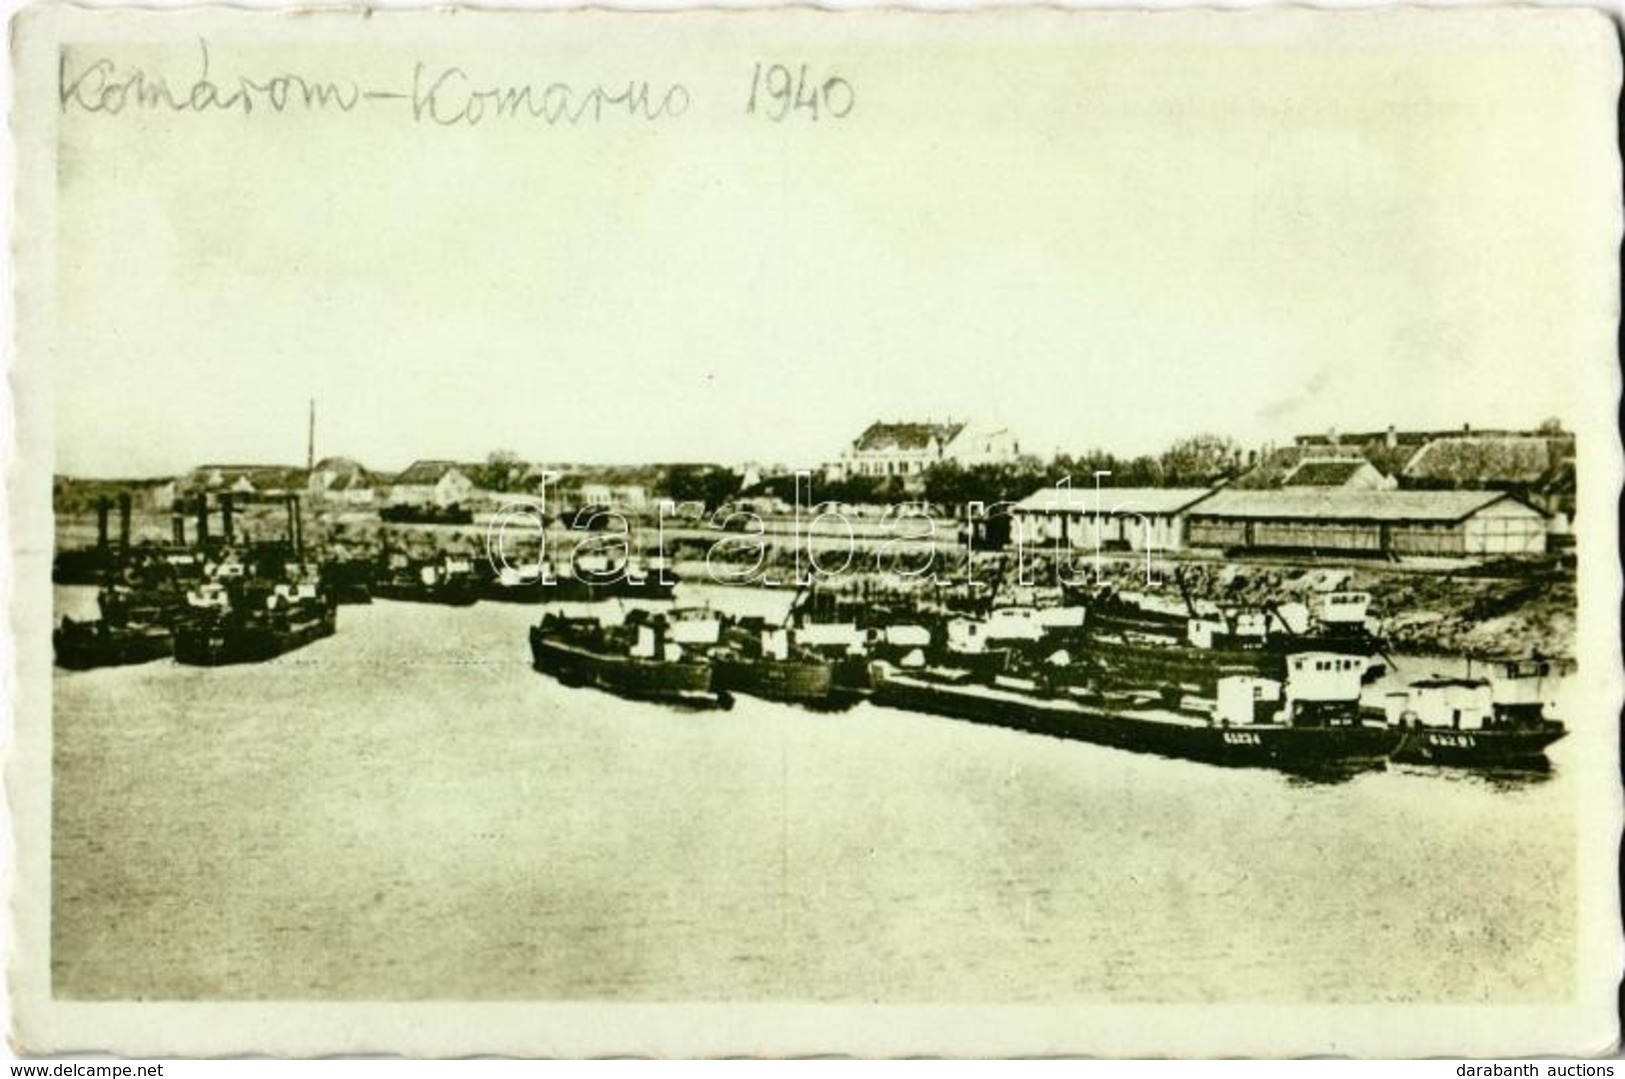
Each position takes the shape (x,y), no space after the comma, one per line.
(407,811)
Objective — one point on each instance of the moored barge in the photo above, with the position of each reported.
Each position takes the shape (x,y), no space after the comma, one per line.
(1494,722)
(648,657)
(252,630)
(772,663)
(84,645)
(1311,725)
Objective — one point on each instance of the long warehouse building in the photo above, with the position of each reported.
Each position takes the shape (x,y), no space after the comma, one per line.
(1445,523)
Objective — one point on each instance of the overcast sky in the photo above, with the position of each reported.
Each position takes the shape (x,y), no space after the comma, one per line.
(1101,232)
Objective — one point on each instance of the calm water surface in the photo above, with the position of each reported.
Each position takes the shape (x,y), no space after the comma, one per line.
(407,811)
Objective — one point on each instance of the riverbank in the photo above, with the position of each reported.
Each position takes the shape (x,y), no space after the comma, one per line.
(1512,608)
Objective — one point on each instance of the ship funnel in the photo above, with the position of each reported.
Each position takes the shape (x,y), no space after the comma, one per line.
(124,523)
(203,521)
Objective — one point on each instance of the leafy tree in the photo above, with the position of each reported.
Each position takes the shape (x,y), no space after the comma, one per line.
(1200,460)
(709,485)
(501,471)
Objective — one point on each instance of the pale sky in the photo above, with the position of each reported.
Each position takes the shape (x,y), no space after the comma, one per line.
(1100,231)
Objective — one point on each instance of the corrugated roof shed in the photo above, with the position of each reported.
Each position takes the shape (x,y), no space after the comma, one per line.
(1336,504)
(1149,500)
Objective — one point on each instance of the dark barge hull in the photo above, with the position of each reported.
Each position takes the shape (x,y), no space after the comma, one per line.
(87,646)
(795,681)
(682,683)
(1491,748)
(1291,749)
(216,644)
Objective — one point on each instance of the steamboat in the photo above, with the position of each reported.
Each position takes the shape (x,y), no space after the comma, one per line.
(657,657)
(1497,721)
(442,578)
(773,663)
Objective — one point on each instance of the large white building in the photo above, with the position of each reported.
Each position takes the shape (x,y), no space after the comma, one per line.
(906,450)
(432,483)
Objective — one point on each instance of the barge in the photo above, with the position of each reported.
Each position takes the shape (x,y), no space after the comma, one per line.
(447,580)
(771,663)
(1494,722)
(86,645)
(648,657)
(1310,724)
(289,616)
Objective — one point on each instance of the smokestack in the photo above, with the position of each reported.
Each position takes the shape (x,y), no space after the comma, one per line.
(101,523)
(124,523)
(227,504)
(203,520)
(296,527)
(310,441)
(177,526)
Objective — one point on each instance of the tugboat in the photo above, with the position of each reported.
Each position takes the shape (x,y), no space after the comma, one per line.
(858,636)
(591,578)
(1494,722)
(143,590)
(594,577)
(444,578)
(82,646)
(652,657)
(1309,723)
(255,601)
(518,584)
(769,662)
(350,579)
(254,624)
(1237,641)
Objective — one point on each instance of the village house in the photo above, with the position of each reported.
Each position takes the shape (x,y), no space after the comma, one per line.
(1348,474)
(262,480)
(628,489)
(1538,467)
(1114,518)
(1382,523)
(433,483)
(1276,464)
(907,450)
(340,479)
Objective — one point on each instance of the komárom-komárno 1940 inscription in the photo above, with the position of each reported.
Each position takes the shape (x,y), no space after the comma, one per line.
(439,95)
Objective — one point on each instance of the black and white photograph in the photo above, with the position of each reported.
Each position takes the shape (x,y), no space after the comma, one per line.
(1016,531)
